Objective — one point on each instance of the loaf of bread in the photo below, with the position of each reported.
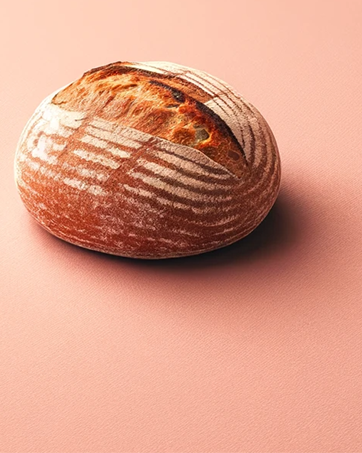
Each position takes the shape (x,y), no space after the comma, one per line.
(147,160)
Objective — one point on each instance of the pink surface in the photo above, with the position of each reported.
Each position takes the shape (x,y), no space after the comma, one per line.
(254,348)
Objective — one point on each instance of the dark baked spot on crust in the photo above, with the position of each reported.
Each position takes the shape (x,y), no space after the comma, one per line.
(201,134)
(234,155)
(177,94)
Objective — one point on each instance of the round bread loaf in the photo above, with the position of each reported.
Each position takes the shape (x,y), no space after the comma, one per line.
(147,160)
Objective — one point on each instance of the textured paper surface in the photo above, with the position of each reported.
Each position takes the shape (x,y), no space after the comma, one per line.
(254,348)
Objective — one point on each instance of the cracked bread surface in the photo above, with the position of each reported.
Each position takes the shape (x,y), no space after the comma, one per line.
(165,107)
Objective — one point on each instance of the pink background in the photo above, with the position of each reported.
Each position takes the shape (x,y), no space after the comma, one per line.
(254,348)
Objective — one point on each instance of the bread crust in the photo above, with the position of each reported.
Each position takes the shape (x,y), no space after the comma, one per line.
(164,106)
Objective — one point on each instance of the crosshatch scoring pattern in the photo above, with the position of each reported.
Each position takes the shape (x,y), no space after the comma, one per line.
(106,186)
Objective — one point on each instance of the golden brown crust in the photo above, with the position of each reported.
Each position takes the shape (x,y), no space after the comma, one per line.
(164,106)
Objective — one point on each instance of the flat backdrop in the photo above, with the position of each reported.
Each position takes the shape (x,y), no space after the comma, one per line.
(253,348)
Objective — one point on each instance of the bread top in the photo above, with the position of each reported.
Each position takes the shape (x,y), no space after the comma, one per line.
(164,106)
